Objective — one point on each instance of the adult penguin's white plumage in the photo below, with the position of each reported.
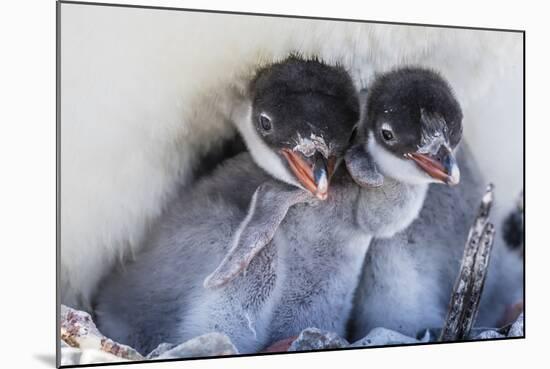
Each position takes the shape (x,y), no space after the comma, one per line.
(144,93)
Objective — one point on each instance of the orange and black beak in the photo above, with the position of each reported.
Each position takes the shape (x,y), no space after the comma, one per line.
(314,173)
(441,166)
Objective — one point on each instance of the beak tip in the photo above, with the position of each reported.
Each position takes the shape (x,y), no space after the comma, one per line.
(454,176)
(452,181)
(447,173)
(321,195)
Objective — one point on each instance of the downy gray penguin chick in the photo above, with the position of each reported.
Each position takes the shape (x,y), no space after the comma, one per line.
(408,279)
(297,122)
(319,247)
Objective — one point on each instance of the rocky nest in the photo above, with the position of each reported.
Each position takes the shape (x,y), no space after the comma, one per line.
(83,343)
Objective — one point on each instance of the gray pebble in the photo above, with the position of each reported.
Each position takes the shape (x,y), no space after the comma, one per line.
(516,330)
(159,350)
(382,336)
(316,339)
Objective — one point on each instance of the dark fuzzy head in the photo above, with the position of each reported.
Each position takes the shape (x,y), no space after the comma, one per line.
(304,96)
(411,101)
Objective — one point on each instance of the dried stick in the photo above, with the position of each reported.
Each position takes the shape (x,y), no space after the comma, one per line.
(479,276)
(464,303)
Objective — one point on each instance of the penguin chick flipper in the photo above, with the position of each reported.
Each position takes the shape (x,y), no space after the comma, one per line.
(362,168)
(267,209)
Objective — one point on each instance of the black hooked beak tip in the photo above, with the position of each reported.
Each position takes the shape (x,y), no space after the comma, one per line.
(312,172)
(321,175)
(441,166)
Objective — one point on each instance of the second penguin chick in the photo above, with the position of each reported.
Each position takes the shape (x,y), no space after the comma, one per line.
(408,279)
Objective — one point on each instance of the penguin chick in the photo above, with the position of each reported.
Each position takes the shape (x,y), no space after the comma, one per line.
(296,120)
(408,279)
(320,246)
(414,123)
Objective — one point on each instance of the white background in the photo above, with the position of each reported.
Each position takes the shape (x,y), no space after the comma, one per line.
(27,154)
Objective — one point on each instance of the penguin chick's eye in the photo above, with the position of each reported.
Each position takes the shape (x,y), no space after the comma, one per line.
(387,135)
(265,122)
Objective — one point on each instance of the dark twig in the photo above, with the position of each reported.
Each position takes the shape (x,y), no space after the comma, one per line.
(468,287)
(479,275)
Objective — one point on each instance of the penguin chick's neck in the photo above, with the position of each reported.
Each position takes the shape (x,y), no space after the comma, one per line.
(262,154)
(384,211)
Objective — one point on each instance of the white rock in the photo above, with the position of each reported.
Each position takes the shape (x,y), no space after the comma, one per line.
(70,355)
(92,356)
(488,335)
(382,336)
(211,344)
(79,331)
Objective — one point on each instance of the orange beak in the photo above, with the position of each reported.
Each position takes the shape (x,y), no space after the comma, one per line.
(444,170)
(313,173)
